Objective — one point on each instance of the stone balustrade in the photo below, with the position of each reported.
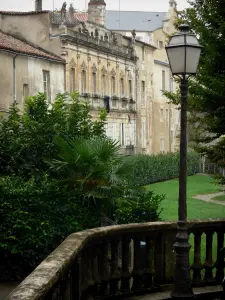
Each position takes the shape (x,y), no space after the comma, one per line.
(114,261)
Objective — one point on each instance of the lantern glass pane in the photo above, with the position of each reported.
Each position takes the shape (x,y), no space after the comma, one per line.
(192,59)
(191,40)
(176,56)
(176,40)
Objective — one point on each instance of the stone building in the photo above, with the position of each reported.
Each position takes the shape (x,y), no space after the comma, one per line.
(26,70)
(102,65)
(153,28)
(110,68)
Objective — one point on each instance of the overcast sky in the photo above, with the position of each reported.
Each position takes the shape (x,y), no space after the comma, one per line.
(146,5)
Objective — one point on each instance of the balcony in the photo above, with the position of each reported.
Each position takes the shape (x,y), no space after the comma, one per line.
(121,261)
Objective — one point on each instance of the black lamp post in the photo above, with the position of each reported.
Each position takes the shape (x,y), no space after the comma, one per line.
(183,51)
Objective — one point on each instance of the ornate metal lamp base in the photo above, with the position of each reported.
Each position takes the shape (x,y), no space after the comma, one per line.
(182,281)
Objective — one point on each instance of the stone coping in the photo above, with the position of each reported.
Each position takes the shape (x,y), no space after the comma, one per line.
(57,264)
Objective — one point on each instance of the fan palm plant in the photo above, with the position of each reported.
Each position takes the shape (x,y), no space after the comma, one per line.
(95,168)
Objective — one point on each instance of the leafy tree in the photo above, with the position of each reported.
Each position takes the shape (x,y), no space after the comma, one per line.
(36,216)
(207,91)
(27,139)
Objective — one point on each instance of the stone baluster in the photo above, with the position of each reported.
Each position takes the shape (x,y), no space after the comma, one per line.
(159,260)
(197,265)
(104,269)
(149,264)
(208,265)
(220,259)
(137,271)
(126,275)
(115,272)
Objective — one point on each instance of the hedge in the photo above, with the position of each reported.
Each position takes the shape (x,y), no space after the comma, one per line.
(161,167)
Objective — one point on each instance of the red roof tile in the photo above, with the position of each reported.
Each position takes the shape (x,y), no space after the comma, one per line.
(10,43)
(82,17)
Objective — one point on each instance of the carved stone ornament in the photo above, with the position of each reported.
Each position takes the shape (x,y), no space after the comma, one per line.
(104,71)
(106,37)
(94,68)
(121,74)
(63,12)
(114,38)
(84,28)
(113,72)
(83,66)
(96,33)
(72,63)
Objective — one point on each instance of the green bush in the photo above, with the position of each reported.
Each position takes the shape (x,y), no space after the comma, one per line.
(145,208)
(35,218)
(161,167)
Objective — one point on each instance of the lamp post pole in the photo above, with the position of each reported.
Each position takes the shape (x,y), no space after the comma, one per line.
(183,51)
(182,281)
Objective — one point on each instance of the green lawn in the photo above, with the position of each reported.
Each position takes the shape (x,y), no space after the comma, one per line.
(219,198)
(197,209)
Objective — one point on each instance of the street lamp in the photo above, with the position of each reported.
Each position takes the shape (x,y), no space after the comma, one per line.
(183,51)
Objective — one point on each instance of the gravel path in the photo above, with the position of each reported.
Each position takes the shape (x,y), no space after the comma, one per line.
(208,198)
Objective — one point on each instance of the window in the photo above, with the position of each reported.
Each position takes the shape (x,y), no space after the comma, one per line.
(143,92)
(94,83)
(167,117)
(171,84)
(163,80)
(122,134)
(143,135)
(25,91)
(72,79)
(114,103)
(46,85)
(161,115)
(83,81)
(130,89)
(162,144)
(143,53)
(171,136)
(113,86)
(160,44)
(171,114)
(103,85)
(114,135)
(121,87)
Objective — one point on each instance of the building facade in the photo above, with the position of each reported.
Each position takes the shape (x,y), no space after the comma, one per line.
(153,28)
(26,70)
(112,69)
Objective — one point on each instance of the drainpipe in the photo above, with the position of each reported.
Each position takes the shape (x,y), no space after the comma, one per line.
(14,78)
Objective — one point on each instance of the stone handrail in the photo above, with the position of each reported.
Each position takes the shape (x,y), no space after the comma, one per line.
(120,260)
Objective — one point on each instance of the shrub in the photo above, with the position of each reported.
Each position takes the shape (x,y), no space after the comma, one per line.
(35,218)
(27,139)
(145,208)
(149,169)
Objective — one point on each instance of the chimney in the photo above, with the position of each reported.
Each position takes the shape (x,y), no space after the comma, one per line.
(38,5)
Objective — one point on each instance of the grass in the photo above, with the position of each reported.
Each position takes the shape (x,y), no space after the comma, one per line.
(196,209)
(219,198)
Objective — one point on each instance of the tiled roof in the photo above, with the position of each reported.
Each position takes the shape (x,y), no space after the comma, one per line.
(19,13)
(10,43)
(69,20)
